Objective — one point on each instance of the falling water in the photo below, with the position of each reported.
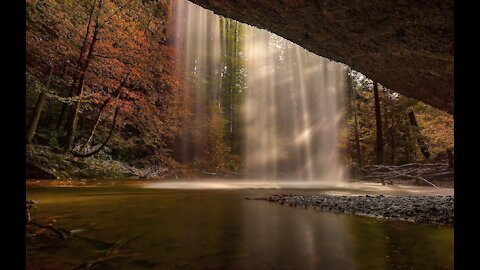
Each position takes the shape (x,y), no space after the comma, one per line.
(197,40)
(292,109)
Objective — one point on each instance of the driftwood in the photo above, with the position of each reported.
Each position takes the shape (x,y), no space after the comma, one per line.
(69,234)
(151,172)
(209,173)
(440,175)
(112,253)
(30,204)
(113,250)
(63,234)
(417,171)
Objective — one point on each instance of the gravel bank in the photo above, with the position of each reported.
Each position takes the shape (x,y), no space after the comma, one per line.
(418,209)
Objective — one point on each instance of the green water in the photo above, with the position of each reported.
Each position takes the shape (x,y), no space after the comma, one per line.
(219,229)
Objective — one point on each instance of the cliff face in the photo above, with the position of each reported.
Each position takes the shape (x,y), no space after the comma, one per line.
(407,46)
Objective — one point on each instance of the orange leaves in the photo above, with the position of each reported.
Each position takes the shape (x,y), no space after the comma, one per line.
(152,99)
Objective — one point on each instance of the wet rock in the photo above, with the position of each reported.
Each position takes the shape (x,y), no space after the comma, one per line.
(420,209)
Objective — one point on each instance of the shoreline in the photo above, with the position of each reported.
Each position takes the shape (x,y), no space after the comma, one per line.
(435,210)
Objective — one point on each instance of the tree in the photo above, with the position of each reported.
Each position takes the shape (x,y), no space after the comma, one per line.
(127,41)
(217,154)
(38,108)
(233,85)
(116,94)
(355,119)
(83,52)
(392,140)
(378,121)
(421,143)
(85,59)
(84,64)
(400,143)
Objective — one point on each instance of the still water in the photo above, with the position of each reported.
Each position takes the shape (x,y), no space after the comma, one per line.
(216,228)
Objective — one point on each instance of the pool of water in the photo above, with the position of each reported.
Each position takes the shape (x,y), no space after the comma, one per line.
(216,228)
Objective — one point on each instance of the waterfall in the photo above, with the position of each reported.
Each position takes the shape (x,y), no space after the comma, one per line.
(291,111)
(196,37)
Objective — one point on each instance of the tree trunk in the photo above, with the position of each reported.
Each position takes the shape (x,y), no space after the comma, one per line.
(378,119)
(116,93)
(95,124)
(410,147)
(38,109)
(421,143)
(392,140)
(450,159)
(223,55)
(234,83)
(81,57)
(63,112)
(228,93)
(106,140)
(73,119)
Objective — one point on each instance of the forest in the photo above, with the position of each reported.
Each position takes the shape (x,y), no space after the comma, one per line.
(104,100)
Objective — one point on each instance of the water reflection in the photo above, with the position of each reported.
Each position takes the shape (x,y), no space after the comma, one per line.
(219,229)
(296,239)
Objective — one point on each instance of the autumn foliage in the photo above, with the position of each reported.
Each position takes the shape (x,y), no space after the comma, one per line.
(400,138)
(130,70)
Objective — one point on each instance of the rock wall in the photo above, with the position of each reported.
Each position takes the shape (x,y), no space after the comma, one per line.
(407,46)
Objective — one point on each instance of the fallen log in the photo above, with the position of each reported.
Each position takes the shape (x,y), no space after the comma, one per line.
(424,180)
(417,171)
(112,253)
(63,234)
(66,234)
(440,175)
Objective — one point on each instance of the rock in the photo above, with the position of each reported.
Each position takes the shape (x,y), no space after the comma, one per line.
(414,38)
(424,209)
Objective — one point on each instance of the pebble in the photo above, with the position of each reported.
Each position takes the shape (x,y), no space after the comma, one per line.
(418,209)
